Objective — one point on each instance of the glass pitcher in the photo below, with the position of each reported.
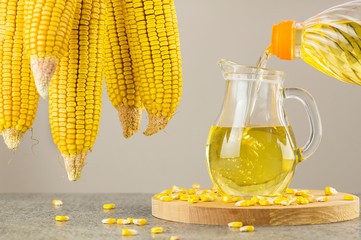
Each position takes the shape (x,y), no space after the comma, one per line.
(251,148)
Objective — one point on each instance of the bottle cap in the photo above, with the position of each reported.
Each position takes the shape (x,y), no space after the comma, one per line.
(283,40)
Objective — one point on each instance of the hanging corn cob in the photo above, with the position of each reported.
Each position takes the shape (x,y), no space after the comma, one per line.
(151,29)
(47,28)
(119,72)
(18,95)
(76,88)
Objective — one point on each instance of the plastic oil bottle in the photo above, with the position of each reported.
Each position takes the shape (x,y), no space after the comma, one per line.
(329,41)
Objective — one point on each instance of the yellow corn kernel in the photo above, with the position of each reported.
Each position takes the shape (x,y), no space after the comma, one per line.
(123,221)
(278,200)
(109,220)
(330,191)
(247,229)
(129,232)
(291,191)
(184,197)
(158,196)
(288,201)
(61,218)
(130,220)
(235,224)
(213,195)
(174,238)
(312,200)
(349,197)
(109,206)
(301,200)
(245,203)
(205,191)
(167,191)
(196,186)
(264,202)
(306,195)
(176,189)
(156,230)
(175,196)
(193,199)
(301,192)
(57,202)
(256,199)
(226,198)
(323,199)
(214,189)
(192,191)
(206,198)
(166,198)
(140,222)
(236,199)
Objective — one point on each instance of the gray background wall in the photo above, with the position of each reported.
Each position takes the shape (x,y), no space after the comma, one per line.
(238,30)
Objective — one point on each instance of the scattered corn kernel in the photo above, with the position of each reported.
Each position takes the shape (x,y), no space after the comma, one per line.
(109,206)
(123,221)
(192,191)
(196,186)
(130,220)
(205,191)
(214,189)
(57,202)
(109,220)
(167,191)
(278,200)
(193,199)
(156,230)
(312,200)
(206,198)
(301,192)
(247,229)
(236,199)
(322,199)
(330,191)
(226,198)
(245,203)
(291,191)
(175,196)
(158,196)
(264,202)
(256,199)
(140,222)
(176,189)
(166,198)
(61,218)
(301,200)
(235,224)
(129,232)
(174,238)
(213,195)
(184,197)
(349,197)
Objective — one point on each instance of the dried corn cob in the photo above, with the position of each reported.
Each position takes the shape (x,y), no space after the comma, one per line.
(151,27)
(76,88)
(118,71)
(18,95)
(47,28)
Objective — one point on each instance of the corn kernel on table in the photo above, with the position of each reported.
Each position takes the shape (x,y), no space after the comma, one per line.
(32,216)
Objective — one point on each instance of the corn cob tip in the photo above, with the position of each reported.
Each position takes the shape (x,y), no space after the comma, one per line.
(155,124)
(130,118)
(43,70)
(74,165)
(12,137)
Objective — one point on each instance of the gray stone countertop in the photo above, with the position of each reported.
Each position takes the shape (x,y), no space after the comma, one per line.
(32,216)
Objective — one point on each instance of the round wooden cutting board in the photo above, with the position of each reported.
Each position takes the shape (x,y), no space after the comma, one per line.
(218,213)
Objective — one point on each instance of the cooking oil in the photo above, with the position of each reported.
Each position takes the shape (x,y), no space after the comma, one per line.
(251,161)
(334,49)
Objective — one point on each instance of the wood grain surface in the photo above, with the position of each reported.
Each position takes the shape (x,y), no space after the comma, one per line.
(218,213)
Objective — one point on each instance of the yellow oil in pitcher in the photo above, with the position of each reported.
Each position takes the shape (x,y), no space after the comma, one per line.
(251,160)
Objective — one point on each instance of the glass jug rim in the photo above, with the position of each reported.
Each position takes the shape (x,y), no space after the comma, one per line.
(234,71)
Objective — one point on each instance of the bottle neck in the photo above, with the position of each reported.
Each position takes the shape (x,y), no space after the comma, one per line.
(287,40)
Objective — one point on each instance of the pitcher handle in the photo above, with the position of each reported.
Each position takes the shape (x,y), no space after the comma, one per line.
(314,119)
